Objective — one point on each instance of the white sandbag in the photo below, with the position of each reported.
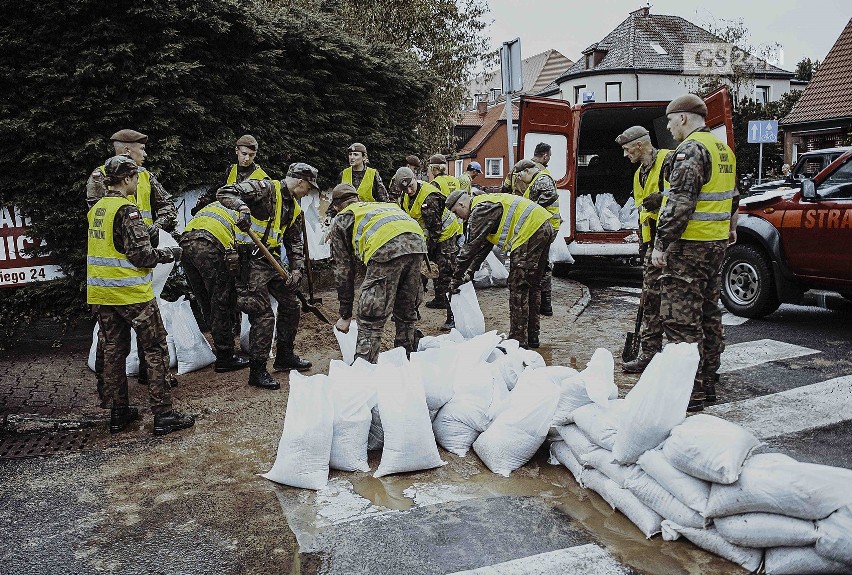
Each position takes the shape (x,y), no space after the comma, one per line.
(646,519)
(408,441)
(433,341)
(559,251)
(245,328)
(510,365)
(131,363)
(93,349)
(657,498)
(693,492)
(776,483)
(520,429)
(167,310)
(587,219)
(796,560)
(608,211)
(600,424)
(354,395)
(658,401)
(629,215)
(305,445)
(465,416)
(710,448)
(576,441)
(347,341)
(572,394)
(170,343)
(313,227)
(161,272)
(193,350)
(562,454)
(599,376)
(601,459)
(467,313)
(434,366)
(835,536)
(498,269)
(761,530)
(710,540)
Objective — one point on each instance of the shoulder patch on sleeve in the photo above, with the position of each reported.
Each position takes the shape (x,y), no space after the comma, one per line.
(134,215)
(680,156)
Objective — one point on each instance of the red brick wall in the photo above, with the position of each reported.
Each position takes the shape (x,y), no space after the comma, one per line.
(493,147)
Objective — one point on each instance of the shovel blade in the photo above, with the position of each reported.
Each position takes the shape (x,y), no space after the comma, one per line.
(631,347)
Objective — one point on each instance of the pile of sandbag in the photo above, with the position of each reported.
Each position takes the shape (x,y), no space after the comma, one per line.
(603,213)
(492,272)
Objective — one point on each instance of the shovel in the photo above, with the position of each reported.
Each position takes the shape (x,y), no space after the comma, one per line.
(633,340)
(306,306)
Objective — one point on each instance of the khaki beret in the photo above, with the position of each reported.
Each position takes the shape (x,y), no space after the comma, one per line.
(687,103)
(118,167)
(453,198)
(630,134)
(248,141)
(357,147)
(305,172)
(438,159)
(412,160)
(523,165)
(343,191)
(129,137)
(403,177)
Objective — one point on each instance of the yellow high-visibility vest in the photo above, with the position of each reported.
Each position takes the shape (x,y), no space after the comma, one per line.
(277,229)
(712,217)
(447,184)
(219,221)
(652,185)
(142,198)
(257,174)
(521,219)
(365,188)
(377,223)
(451,226)
(111,279)
(556,219)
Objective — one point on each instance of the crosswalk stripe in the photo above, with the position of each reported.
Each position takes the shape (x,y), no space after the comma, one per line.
(731,319)
(579,560)
(627,289)
(629,299)
(800,409)
(751,353)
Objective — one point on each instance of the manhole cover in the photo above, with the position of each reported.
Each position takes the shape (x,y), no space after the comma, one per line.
(19,446)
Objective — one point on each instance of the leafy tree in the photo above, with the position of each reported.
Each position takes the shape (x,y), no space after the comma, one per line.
(806,69)
(748,155)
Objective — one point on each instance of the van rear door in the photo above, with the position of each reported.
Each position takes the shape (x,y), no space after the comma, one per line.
(719,115)
(551,121)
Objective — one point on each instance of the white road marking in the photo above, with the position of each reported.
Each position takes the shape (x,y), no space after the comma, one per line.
(580,560)
(751,353)
(629,299)
(626,289)
(731,319)
(792,411)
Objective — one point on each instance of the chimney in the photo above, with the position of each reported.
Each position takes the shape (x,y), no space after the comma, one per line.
(643,12)
(482,106)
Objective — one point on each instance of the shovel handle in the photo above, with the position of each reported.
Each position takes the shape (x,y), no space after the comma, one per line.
(268,255)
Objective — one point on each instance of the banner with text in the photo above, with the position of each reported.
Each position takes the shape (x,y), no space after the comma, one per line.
(17,267)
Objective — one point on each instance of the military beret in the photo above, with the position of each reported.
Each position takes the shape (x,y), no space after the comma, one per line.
(305,172)
(412,160)
(438,159)
(630,134)
(129,137)
(687,103)
(453,198)
(118,167)
(523,165)
(343,191)
(357,147)
(248,141)
(403,177)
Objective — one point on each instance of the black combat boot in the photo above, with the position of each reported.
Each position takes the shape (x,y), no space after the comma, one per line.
(533,342)
(546,307)
(451,320)
(172,421)
(259,376)
(230,362)
(709,386)
(637,365)
(142,376)
(286,360)
(696,400)
(121,417)
(440,302)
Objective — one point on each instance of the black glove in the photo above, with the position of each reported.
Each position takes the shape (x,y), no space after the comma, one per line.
(295,279)
(244,221)
(177,252)
(653,202)
(154,235)
(453,289)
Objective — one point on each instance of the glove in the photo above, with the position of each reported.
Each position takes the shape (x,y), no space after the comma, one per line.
(453,289)
(244,221)
(154,235)
(177,252)
(653,202)
(295,279)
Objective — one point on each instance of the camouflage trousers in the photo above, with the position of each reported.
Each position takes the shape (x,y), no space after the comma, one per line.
(389,288)
(444,255)
(253,300)
(527,264)
(689,306)
(651,334)
(204,264)
(547,276)
(115,323)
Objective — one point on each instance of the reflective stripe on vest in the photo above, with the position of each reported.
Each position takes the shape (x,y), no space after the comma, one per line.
(652,185)
(111,279)
(711,219)
(451,226)
(142,198)
(257,174)
(365,188)
(277,229)
(377,223)
(219,221)
(556,219)
(521,219)
(447,184)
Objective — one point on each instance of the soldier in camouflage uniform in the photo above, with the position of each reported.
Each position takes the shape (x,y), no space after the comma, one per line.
(257,202)
(466,178)
(425,203)
(693,232)
(118,278)
(648,185)
(158,212)
(363,178)
(392,246)
(521,227)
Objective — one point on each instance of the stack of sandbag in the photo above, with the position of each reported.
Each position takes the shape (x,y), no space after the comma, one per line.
(587,219)
(629,215)
(608,211)
(492,272)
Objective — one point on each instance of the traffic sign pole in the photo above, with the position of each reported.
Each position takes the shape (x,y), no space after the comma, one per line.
(760,165)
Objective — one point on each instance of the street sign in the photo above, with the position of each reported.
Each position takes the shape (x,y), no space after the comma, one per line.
(762,131)
(588,96)
(510,66)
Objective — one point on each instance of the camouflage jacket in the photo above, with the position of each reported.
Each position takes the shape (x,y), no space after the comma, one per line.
(483,220)
(543,191)
(432,212)
(162,205)
(130,237)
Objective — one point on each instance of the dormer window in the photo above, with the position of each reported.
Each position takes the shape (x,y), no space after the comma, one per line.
(659,49)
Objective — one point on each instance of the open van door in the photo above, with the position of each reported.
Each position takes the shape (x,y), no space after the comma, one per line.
(551,121)
(719,115)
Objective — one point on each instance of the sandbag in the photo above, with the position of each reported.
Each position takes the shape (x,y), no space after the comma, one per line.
(601,459)
(347,341)
(562,454)
(305,445)
(608,211)
(465,416)
(776,483)
(576,441)
(587,219)
(354,395)
(245,328)
(762,530)
(629,215)
(499,273)
(161,272)
(710,448)
(646,519)
(795,560)
(657,498)
(167,310)
(572,394)
(434,366)
(468,315)
(710,540)
(600,377)
(658,401)
(600,424)
(433,341)
(559,251)
(693,492)
(193,350)
(318,249)
(835,536)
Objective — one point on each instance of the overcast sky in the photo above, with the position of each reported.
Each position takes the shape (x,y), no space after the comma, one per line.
(805,29)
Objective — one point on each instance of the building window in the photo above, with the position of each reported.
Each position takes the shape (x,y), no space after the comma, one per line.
(493,167)
(578,93)
(588,61)
(514,134)
(613,91)
(459,167)
(761,95)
